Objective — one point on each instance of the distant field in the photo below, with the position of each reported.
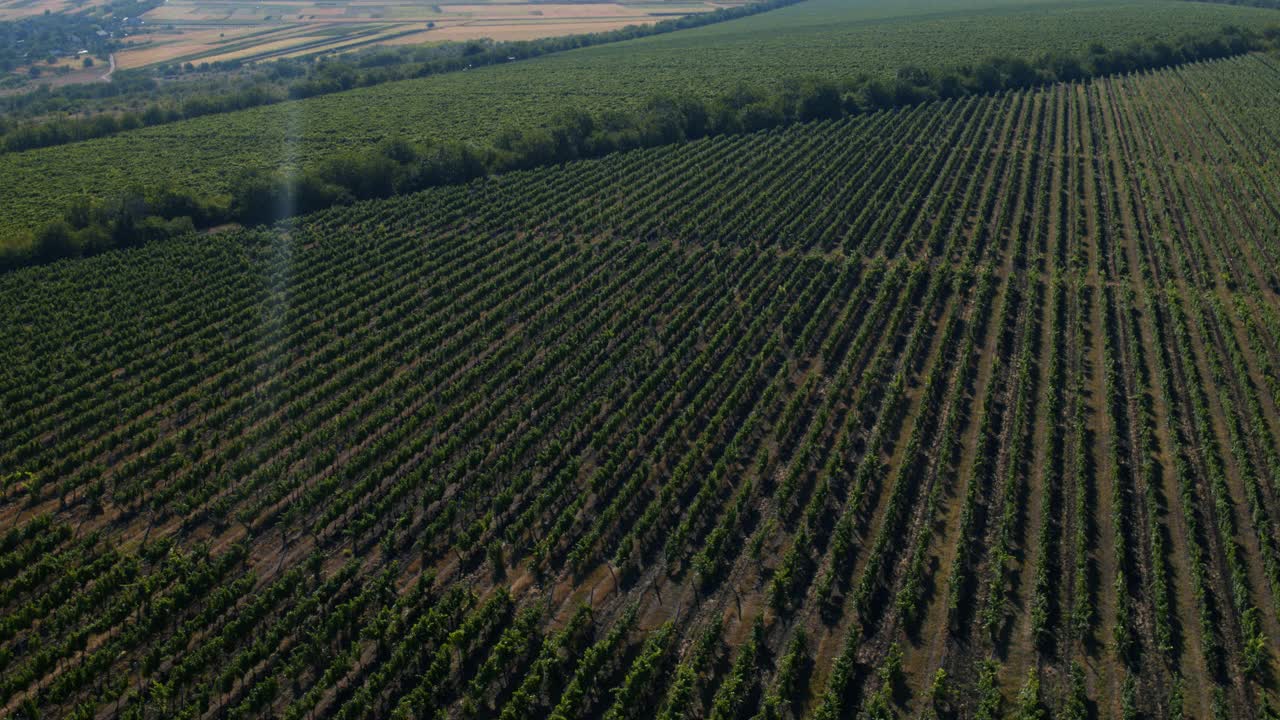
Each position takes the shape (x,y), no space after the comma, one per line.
(14,9)
(212,30)
(833,38)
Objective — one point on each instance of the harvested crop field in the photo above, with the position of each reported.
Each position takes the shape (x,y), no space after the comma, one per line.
(218,30)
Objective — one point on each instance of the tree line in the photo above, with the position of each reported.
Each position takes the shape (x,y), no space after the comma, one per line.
(396,166)
(1273,4)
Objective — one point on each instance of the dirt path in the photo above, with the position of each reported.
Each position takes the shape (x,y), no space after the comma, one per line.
(1017,647)
(106,77)
(1127,258)
(1102,667)
(922,660)
(1189,652)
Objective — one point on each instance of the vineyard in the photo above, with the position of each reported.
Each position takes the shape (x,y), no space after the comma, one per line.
(825,38)
(967,409)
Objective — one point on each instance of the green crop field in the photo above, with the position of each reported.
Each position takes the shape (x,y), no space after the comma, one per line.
(832,38)
(962,410)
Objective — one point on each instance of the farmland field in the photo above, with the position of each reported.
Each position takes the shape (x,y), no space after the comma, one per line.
(967,409)
(829,38)
(212,30)
(13,9)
